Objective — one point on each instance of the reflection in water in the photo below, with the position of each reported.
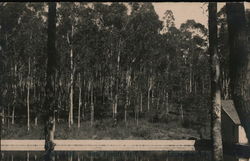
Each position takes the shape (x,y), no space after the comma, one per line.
(78,157)
(234,158)
(49,156)
(106,156)
(113,156)
(28,156)
(71,157)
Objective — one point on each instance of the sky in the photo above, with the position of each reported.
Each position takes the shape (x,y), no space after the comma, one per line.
(187,10)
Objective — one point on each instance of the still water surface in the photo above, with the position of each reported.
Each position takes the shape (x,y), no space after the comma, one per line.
(111,156)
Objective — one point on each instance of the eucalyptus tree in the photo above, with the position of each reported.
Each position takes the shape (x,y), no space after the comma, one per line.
(112,20)
(223,50)
(168,20)
(32,46)
(171,65)
(194,35)
(9,31)
(239,61)
(50,99)
(115,60)
(216,137)
(69,15)
(87,40)
(24,48)
(145,26)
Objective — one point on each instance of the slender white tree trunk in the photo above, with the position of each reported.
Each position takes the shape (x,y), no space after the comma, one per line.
(190,79)
(80,102)
(117,84)
(128,83)
(92,105)
(71,95)
(71,87)
(36,121)
(13,116)
(28,98)
(149,90)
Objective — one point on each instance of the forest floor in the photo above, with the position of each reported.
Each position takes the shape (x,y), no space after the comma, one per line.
(105,130)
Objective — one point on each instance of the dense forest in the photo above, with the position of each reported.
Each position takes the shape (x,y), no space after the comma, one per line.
(117,64)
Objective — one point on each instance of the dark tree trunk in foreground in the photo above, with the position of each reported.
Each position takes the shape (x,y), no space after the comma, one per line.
(215,88)
(239,62)
(50,82)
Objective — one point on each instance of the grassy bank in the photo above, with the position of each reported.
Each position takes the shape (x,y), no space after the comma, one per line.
(105,130)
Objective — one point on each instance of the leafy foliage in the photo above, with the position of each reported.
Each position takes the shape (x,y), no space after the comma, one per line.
(159,64)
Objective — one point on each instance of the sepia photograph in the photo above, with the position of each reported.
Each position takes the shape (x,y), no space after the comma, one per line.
(139,81)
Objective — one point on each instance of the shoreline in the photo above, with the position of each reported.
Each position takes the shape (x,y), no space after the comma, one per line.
(101,145)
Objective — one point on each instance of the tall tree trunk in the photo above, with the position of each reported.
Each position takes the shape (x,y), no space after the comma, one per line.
(115,105)
(141,99)
(111,96)
(85,100)
(128,83)
(36,120)
(125,108)
(150,83)
(83,109)
(15,95)
(8,113)
(152,96)
(92,104)
(239,62)
(190,78)
(149,98)
(167,104)
(71,77)
(80,101)
(49,104)
(217,152)
(117,83)
(28,97)
(35,96)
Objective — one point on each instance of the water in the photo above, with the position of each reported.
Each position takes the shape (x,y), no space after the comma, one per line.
(108,156)
(114,156)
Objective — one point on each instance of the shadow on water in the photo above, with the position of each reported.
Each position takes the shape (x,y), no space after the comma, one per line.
(49,156)
(231,152)
(116,156)
(106,156)
(236,153)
